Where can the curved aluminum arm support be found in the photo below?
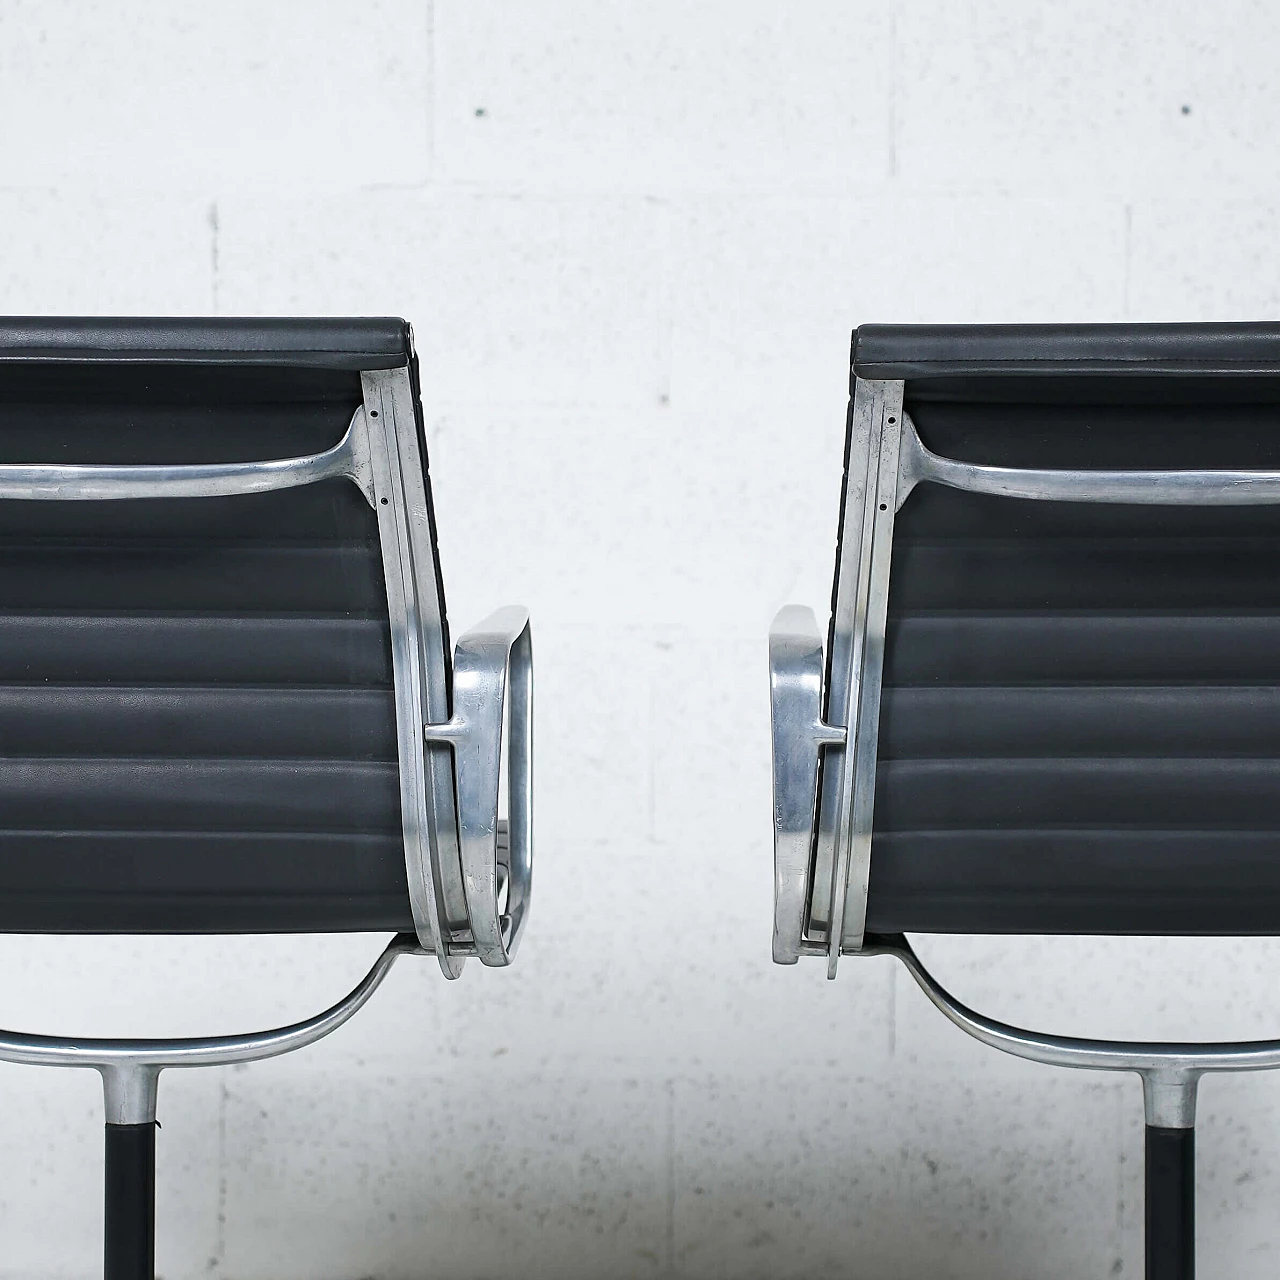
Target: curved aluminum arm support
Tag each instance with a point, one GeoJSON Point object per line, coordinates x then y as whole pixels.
{"type": "Point", "coordinates": [1159, 488]}
{"type": "Point", "coordinates": [1170, 1070]}
{"type": "Point", "coordinates": [130, 1068]}
{"type": "Point", "coordinates": [67, 483]}
{"type": "Point", "coordinates": [799, 734]}
{"type": "Point", "coordinates": [493, 680]}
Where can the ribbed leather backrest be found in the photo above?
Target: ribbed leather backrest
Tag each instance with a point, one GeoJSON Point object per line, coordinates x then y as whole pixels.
{"type": "Point", "coordinates": [1080, 729]}
{"type": "Point", "coordinates": [197, 729]}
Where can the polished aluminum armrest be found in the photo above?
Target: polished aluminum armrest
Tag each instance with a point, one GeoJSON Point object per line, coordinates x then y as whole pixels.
{"type": "Point", "coordinates": [493, 683]}
{"type": "Point", "coordinates": [799, 734]}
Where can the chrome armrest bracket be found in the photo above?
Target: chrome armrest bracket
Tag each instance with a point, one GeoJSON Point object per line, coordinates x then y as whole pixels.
{"type": "Point", "coordinates": [493, 683]}
{"type": "Point", "coordinates": [1170, 1070]}
{"type": "Point", "coordinates": [130, 1069]}
{"type": "Point", "coordinates": [469, 878]}
{"type": "Point", "coordinates": [799, 735]}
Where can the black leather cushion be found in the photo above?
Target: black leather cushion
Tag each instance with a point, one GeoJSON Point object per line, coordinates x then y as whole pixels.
{"type": "Point", "coordinates": [196, 709]}
{"type": "Point", "coordinates": [307, 343]}
{"type": "Point", "coordinates": [1081, 723]}
{"type": "Point", "coordinates": [974, 351]}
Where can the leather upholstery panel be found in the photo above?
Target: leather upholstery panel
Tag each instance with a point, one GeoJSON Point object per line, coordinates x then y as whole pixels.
{"type": "Point", "coordinates": [196, 708]}
{"type": "Point", "coordinates": [1080, 730]}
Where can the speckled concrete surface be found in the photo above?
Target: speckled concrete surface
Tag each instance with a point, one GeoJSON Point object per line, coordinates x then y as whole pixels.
{"type": "Point", "coordinates": [633, 240]}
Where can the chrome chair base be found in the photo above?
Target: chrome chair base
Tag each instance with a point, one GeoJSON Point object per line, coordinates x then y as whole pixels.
{"type": "Point", "coordinates": [1170, 1073]}
{"type": "Point", "coordinates": [130, 1071]}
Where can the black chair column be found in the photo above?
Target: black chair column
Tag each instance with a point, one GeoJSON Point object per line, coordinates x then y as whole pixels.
{"type": "Point", "coordinates": [1170, 1203]}
{"type": "Point", "coordinates": [129, 1221]}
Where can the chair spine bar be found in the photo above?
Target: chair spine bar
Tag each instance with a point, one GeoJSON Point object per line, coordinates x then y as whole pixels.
{"type": "Point", "coordinates": [420, 666]}
{"type": "Point", "coordinates": [857, 655]}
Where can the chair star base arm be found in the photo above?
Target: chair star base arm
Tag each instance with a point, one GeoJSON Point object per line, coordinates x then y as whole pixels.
{"type": "Point", "coordinates": [130, 1069]}
{"type": "Point", "coordinates": [1170, 1070]}
{"type": "Point", "coordinates": [493, 683]}
{"type": "Point", "coordinates": [1170, 1073]}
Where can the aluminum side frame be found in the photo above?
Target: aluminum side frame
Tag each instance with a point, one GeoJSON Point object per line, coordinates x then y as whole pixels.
{"type": "Point", "coordinates": [469, 894]}
{"type": "Point", "coordinates": [420, 664]}
{"type": "Point", "coordinates": [825, 764]}
{"type": "Point", "coordinates": [842, 859]}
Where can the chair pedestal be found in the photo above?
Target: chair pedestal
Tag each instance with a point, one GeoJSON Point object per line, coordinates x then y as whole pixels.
{"type": "Point", "coordinates": [130, 1071]}
{"type": "Point", "coordinates": [1170, 1073]}
{"type": "Point", "coordinates": [129, 1223]}
{"type": "Point", "coordinates": [1171, 1203]}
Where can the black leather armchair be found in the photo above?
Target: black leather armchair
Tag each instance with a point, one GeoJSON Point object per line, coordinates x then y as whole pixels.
{"type": "Point", "coordinates": [227, 699]}
{"type": "Point", "coordinates": [1050, 698]}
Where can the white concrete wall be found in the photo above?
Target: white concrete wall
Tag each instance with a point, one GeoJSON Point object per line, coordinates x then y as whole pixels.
{"type": "Point", "coordinates": [633, 239]}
